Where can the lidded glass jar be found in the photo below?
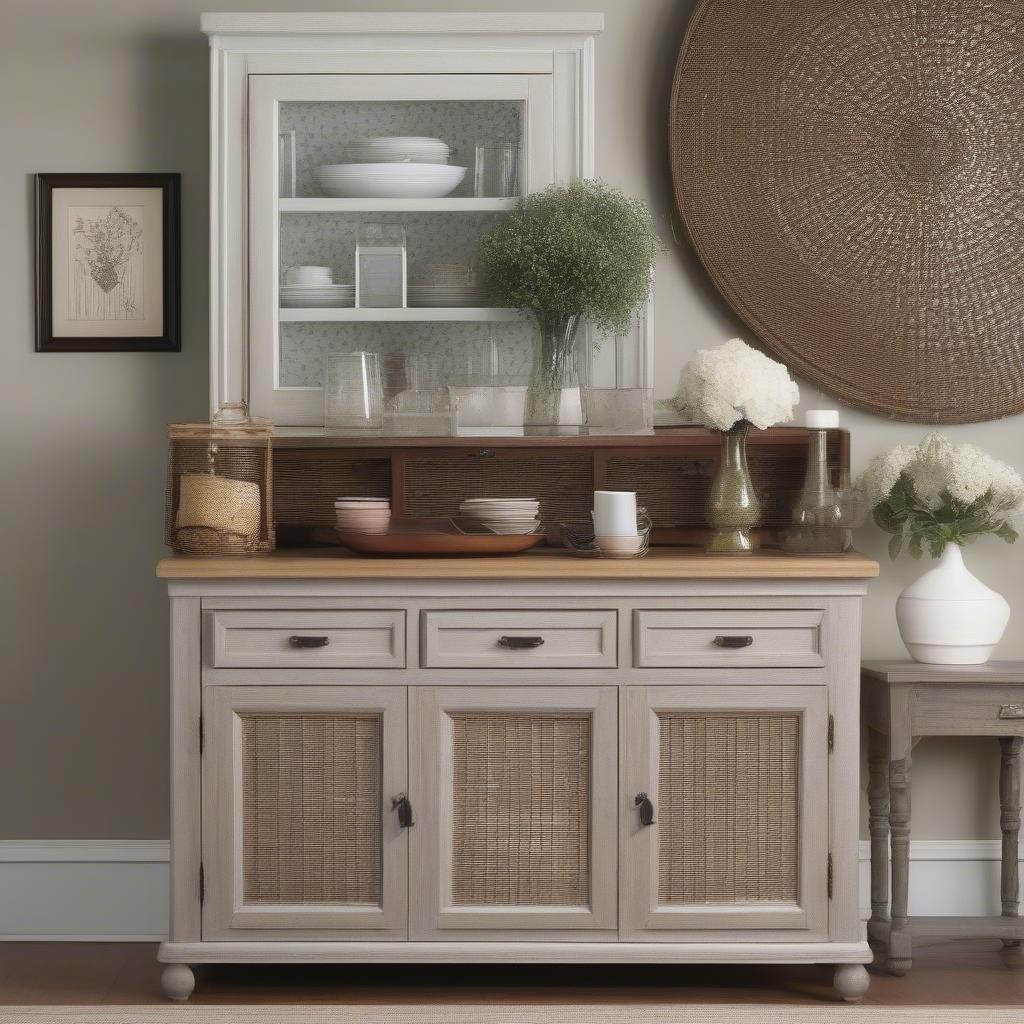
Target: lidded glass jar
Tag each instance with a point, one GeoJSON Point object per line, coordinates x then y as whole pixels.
{"type": "Point", "coordinates": [219, 495]}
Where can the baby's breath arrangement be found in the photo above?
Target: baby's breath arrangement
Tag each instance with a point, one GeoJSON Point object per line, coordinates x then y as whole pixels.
{"type": "Point", "coordinates": [936, 493]}
{"type": "Point", "coordinates": [582, 250]}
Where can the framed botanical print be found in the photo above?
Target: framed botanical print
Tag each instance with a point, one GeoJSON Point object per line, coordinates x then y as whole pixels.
{"type": "Point", "coordinates": [108, 262]}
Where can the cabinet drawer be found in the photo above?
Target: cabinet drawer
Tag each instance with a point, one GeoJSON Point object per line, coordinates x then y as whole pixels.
{"type": "Point", "coordinates": [535, 638]}
{"type": "Point", "coordinates": [983, 711]}
{"type": "Point", "coordinates": [728, 638]}
{"type": "Point", "coordinates": [307, 639]}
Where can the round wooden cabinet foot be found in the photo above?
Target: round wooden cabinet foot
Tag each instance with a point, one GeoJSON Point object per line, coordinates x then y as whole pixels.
{"type": "Point", "coordinates": [851, 981]}
{"type": "Point", "coordinates": [177, 982]}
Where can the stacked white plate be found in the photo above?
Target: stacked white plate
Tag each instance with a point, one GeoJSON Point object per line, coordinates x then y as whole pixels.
{"type": "Point", "coordinates": [317, 296]}
{"type": "Point", "coordinates": [445, 295]}
{"type": "Point", "coordinates": [503, 515]}
{"type": "Point", "coordinates": [363, 515]}
{"type": "Point", "coordinates": [398, 149]}
{"type": "Point", "coordinates": [388, 180]}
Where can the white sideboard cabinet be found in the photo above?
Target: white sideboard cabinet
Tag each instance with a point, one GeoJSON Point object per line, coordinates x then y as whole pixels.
{"type": "Point", "coordinates": [541, 759]}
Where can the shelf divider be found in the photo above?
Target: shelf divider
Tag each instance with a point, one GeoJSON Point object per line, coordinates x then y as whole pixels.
{"type": "Point", "coordinates": [411, 314]}
{"type": "Point", "coordinates": [322, 205]}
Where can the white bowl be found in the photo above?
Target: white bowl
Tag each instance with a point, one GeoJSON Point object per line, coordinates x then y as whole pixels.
{"type": "Point", "coordinates": [399, 148]}
{"type": "Point", "coordinates": [388, 181]}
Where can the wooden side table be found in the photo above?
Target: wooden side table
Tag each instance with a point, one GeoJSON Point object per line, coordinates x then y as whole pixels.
{"type": "Point", "coordinates": [904, 701]}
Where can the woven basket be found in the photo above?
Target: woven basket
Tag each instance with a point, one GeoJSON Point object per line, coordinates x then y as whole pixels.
{"type": "Point", "coordinates": [850, 174]}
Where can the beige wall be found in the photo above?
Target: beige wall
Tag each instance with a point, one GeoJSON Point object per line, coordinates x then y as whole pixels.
{"type": "Point", "coordinates": [121, 85]}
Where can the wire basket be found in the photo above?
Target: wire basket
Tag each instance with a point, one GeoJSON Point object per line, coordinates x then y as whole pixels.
{"type": "Point", "coordinates": [579, 538]}
{"type": "Point", "coordinates": [219, 494]}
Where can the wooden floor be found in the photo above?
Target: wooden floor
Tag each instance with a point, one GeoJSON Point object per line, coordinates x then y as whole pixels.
{"type": "Point", "coordinates": [978, 972]}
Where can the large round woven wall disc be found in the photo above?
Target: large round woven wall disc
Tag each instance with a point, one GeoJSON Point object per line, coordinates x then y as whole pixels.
{"type": "Point", "coordinates": [851, 174]}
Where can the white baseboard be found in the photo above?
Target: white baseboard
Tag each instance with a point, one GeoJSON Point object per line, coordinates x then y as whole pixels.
{"type": "Point", "coordinates": [117, 891]}
{"type": "Point", "coordinates": [84, 891]}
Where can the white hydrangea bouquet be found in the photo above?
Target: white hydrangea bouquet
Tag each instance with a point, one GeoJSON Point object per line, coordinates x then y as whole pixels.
{"type": "Point", "coordinates": [732, 383]}
{"type": "Point", "coordinates": [937, 493]}
{"type": "Point", "coordinates": [730, 388]}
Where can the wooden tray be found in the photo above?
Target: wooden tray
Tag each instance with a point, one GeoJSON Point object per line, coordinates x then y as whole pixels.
{"type": "Point", "coordinates": [435, 537]}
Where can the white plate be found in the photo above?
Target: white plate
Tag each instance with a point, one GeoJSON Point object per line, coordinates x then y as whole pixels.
{"type": "Point", "coordinates": [389, 181]}
{"type": "Point", "coordinates": [386, 149]}
{"type": "Point", "coordinates": [318, 302]}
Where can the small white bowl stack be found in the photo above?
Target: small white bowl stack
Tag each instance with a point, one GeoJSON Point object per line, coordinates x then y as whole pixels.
{"type": "Point", "coordinates": [392, 167]}
{"type": "Point", "coordinates": [363, 515]}
{"type": "Point", "coordinates": [503, 515]}
{"type": "Point", "coordinates": [314, 288]}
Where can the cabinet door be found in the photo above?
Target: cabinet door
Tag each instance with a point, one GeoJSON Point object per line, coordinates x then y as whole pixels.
{"type": "Point", "coordinates": [515, 794]}
{"type": "Point", "coordinates": [323, 116]}
{"type": "Point", "coordinates": [737, 779]}
{"type": "Point", "coordinates": [300, 839]}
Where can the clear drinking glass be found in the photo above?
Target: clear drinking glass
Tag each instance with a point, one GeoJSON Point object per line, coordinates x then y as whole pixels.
{"type": "Point", "coordinates": [353, 396]}
{"type": "Point", "coordinates": [618, 410]}
{"type": "Point", "coordinates": [286, 168]}
{"type": "Point", "coordinates": [496, 173]}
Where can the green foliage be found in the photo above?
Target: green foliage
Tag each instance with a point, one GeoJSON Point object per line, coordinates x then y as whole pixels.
{"type": "Point", "coordinates": [920, 526]}
{"type": "Point", "coordinates": [579, 250]}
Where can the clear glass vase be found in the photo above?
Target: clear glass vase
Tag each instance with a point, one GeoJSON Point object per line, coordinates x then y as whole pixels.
{"type": "Point", "coordinates": [553, 395]}
{"type": "Point", "coordinates": [732, 506]}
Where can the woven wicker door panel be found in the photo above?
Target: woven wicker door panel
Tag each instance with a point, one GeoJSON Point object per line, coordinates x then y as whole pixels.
{"type": "Point", "coordinates": [521, 809]}
{"type": "Point", "coordinates": [728, 796]}
{"type": "Point", "coordinates": [515, 789]}
{"type": "Point", "coordinates": [311, 808]}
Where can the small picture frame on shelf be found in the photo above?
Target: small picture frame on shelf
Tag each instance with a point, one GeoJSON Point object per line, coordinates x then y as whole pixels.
{"type": "Point", "coordinates": [108, 262]}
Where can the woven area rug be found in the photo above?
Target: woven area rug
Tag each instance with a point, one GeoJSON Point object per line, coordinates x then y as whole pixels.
{"type": "Point", "coordinates": [624, 1013]}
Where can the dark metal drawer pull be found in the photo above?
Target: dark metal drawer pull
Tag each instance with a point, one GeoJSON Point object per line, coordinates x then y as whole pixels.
{"type": "Point", "coordinates": [733, 641]}
{"type": "Point", "coordinates": [520, 643]}
{"type": "Point", "coordinates": [401, 804]}
{"type": "Point", "coordinates": [309, 641]}
{"type": "Point", "coordinates": [643, 801]}
{"type": "Point", "coordinates": [1011, 711]}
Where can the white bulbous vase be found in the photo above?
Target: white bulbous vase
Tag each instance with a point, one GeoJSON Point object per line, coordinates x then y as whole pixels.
{"type": "Point", "coordinates": [949, 617]}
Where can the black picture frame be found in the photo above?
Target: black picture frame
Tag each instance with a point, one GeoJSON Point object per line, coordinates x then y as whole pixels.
{"type": "Point", "coordinates": [170, 338]}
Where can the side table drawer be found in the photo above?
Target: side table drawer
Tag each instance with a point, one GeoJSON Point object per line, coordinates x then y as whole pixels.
{"type": "Point", "coordinates": [728, 638]}
{"type": "Point", "coordinates": [372, 638]}
{"type": "Point", "coordinates": [980, 711]}
{"type": "Point", "coordinates": [531, 638]}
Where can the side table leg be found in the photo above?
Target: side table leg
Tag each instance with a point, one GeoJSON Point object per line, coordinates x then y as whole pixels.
{"type": "Point", "coordinates": [878, 823]}
{"type": "Point", "coordinates": [900, 945]}
{"type": "Point", "coordinates": [1009, 822]}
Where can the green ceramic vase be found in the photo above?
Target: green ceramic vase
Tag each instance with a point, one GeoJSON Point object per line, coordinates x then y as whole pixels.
{"type": "Point", "coordinates": [732, 507]}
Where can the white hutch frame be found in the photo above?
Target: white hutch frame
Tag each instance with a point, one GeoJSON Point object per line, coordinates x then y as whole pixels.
{"type": "Point", "coordinates": [557, 44]}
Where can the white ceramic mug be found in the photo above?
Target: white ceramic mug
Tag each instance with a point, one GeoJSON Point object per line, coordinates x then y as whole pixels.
{"type": "Point", "coordinates": [308, 275]}
{"type": "Point", "coordinates": [615, 513]}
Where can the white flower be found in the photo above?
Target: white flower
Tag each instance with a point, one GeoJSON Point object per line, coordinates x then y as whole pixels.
{"type": "Point", "coordinates": [936, 467]}
{"type": "Point", "coordinates": [734, 382]}
{"type": "Point", "coordinates": [878, 480]}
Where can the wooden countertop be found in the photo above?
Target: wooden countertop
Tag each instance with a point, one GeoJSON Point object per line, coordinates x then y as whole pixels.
{"type": "Point", "coordinates": [662, 563]}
